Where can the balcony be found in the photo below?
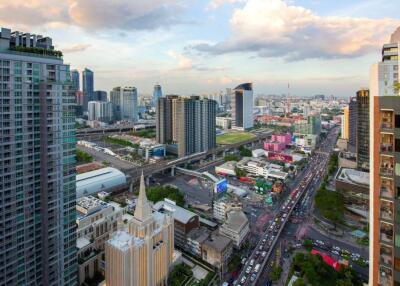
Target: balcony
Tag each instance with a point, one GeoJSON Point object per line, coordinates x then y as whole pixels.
{"type": "Point", "coordinates": [387, 142]}
{"type": "Point", "coordinates": [387, 188]}
{"type": "Point", "coordinates": [387, 166]}
{"type": "Point", "coordinates": [387, 210]}
{"type": "Point", "coordinates": [386, 232]}
{"type": "Point", "coordinates": [385, 276]}
{"type": "Point", "coordinates": [387, 121]}
{"type": "Point", "coordinates": [386, 254]}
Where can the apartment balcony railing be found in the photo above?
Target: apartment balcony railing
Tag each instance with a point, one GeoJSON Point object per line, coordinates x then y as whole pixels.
{"type": "Point", "coordinates": [387, 147]}
{"type": "Point", "coordinates": [386, 171]}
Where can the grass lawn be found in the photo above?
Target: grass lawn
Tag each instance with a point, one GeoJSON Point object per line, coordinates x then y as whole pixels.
{"type": "Point", "coordinates": [234, 137]}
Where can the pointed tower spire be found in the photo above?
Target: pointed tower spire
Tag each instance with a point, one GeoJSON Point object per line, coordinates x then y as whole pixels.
{"type": "Point", "coordinates": [143, 209]}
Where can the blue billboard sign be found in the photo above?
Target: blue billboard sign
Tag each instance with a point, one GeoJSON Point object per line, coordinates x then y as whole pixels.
{"type": "Point", "coordinates": [221, 187]}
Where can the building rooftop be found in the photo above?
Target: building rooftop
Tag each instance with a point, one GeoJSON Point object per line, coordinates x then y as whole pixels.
{"type": "Point", "coordinates": [217, 242]}
{"type": "Point", "coordinates": [180, 214]}
{"type": "Point", "coordinates": [236, 220]}
{"type": "Point", "coordinates": [87, 206]}
{"type": "Point", "coordinates": [199, 234]}
{"type": "Point", "coordinates": [353, 176]}
{"type": "Point", "coordinates": [123, 240]}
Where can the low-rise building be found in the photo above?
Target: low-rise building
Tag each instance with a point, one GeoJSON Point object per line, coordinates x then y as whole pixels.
{"type": "Point", "coordinates": [236, 227]}
{"type": "Point", "coordinates": [149, 149]}
{"type": "Point", "coordinates": [101, 180]}
{"type": "Point", "coordinates": [223, 122]}
{"type": "Point", "coordinates": [222, 206]}
{"type": "Point", "coordinates": [217, 250]}
{"type": "Point", "coordinates": [354, 185]}
{"type": "Point", "coordinates": [260, 167]}
{"type": "Point", "coordinates": [96, 220]}
{"type": "Point", "coordinates": [195, 239]}
{"type": "Point", "coordinates": [226, 169]}
{"type": "Point", "coordinates": [184, 221]}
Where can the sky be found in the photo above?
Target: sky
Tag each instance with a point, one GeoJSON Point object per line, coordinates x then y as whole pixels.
{"type": "Point", "coordinates": [205, 46]}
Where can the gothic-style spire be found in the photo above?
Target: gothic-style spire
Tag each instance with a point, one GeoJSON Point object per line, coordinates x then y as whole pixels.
{"type": "Point", "coordinates": [143, 209]}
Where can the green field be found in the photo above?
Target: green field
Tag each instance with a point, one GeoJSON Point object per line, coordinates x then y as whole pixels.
{"type": "Point", "coordinates": [234, 137]}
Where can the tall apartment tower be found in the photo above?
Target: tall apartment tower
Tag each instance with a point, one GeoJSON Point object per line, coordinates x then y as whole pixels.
{"type": "Point", "coordinates": [100, 111]}
{"type": "Point", "coordinates": [87, 86]}
{"type": "Point", "coordinates": [37, 166]}
{"type": "Point", "coordinates": [125, 103]}
{"type": "Point", "coordinates": [242, 107]}
{"type": "Point", "coordinates": [362, 141]}
{"type": "Point", "coordinates": [353, 122]}
{"type": "Point", "coordinates": [345, 124]}
{"type": "Point", "coordinates": [75, 79]}
{"type": "Point", "coordinates": [186, 123]}
{"type": "Point", "coordinates": [384, 164]}
{"type": "Point", "coordinates": [157, 93]}
{"type": "Point", "coordinates": [143, 255]}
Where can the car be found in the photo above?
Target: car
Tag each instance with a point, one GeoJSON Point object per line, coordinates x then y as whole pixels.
{"type": "Point", "coordinates": [243, 280]}
{"type": "Point", "coordinates": [260, 248]}
{"type": "Point", "coordinates": [335, 252]}
{"type": "Point", "coordinates": [248, 269]}
{"type": "Point", "coordinates": [253, 277]}
{"type": "Point", "coordinates": [251, 262]}
{"type": "Point", "coordinates": [264, 253]}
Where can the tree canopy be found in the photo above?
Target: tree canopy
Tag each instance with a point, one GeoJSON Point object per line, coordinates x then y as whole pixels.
{"type": "Point", "coordinates": [159, 193]}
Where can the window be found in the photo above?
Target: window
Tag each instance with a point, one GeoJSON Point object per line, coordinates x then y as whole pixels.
{"type": "Point", "coordinates": [397, 121]}
{"type": "Point", "coordinates": [397, 145]}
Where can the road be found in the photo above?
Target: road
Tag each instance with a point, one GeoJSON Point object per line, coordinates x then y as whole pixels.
{"type": "Point", "coordinates": [264, 250]}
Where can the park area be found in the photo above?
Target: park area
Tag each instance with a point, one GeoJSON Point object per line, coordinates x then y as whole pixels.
{"type": "Point", "coordinates": [234, 137]}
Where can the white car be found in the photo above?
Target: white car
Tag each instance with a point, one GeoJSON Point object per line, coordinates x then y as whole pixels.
{"type": "Point", "coordinates": [243, 279]}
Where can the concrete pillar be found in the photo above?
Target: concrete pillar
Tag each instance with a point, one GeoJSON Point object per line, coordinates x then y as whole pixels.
{"type": "Point", "coordinates": [224, 153]}
{"type": "Point", "coordinates": [214, 157]}
{"type": "Point", "coordinates": [131, 187]}
{"type": "Point", "coordinates": [147, 181]}
{"type": "Point", "coordinates": [173, 171]}
{"type": "Point", "coordinates": [252, 144]}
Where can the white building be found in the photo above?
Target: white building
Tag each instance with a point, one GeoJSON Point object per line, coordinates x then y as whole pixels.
{"type": "Point", "coordinates": [222, 206]}
{"type": "Point", "coordinates": [227, 168]}
{"type": "Point", "coordinates": [236, 227]}
{"type": "Point", "coordinates": [125, 103]}
{"type": "Point", "coordinates": [259, 167]}
{"type": "Point", "coordinates": [100, 111]}
{"type": "Point", "coordinates": [101, 180]}
{"type": "Point", "coordinates": [224, 122]}
{"type": "Point", "coordinates": [242, 107]}
{"type": "Point", "coordinates": [95, 221]}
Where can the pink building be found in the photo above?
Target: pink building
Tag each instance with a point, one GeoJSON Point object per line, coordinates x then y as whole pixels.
{"type": "Point", "coordinates": [278, 142]}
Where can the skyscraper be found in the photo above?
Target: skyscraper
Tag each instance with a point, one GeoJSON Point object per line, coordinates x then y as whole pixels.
{"type": "Point", "coordinates": [99, 95]}
{"type": "Point", "coordinates": [37, 166]}
{"type": "Point", "coordinates": [187, 124]}
{"type": "Point", "coordinates": [75, 79]}
{"type": "Point", "coordinates": [125, 103]}
{"type": "Point", "coordinates": [345, 123]}
{"type": "Point", "coordinates": [384, 164]}
{"type": "Point", "coordinates": [362, 141]}
{"type": "Point", "coordinates": [157, 93]}
{"type": "Point", "coordinates": [353, 122]}
{"type": "Point", "coordinates": [242, 107]}
{"type": "Point", "coordinates": [87, 86]}
{"type": "Point", "coordinates": [100, 111]}
{"type": "Point", "coordinates": [143, 255]}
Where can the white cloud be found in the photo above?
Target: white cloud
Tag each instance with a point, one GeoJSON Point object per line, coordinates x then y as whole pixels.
{"type": "Point", "coordinates": [76, 48]}
{"type": "Point", "coordinates": [92, 14]}
{"type": "Point", "coordinates": [183, 62]}
{"type": "Point", "coordinates": [215, 4]}
{"type": "Point", "coordinates": [275, 28]}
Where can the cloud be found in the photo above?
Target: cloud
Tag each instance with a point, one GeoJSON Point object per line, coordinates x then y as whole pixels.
{"type": "Point", "coordinates": [215, 4]}
{"type": "Point", "coordinates": [275, 28]}
{"type": "Point", "coordinates": [92, 14]}
{"type": "Point", "coordinates": [185, 63]}
{"type": "Point", "coordinates": [76, 48]}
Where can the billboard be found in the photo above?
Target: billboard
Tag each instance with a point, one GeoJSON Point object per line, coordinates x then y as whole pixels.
{"type": "Point", "coordinates": [273, 156]}
{"type": "Point", "coordinates": [221, 187]}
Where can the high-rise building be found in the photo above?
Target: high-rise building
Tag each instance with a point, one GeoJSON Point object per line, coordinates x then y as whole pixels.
{"type": "Point", "coordinates": [37, 166]}
{"type": "Point", "coordinates": [353, 122]}
{"type": "Point", "coordinates": [157, 93]}
{"type": "Point", "coordinates": [99, 95]}
{"type": "Point", "coordinates": [75, 79]}
{"type": "Point", "coordinates": [242, 107]}
{"type": "Point", "coordinates": [345, 123]}
{"type": "Point", "coordinates": [187, 124]}
{"type": "Point", "coordinates": [362, 141]}
{"type": "Point", "coordinates": [143, 255]}
{"type": "Point", "coordinates": [384, 250]}
{"type": "Point", "coordinates": [125, 103]}
{"type": "Point", "coordinates": [100, 111]}
{"type": "Point", "coordinates": [87, 86]}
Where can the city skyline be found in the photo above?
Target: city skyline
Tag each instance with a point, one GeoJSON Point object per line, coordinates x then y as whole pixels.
{"type": "Point", "coordinates": [195, 47]}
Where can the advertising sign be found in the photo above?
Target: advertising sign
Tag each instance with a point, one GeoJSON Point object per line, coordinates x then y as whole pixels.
{"type": "Point", "coordinates": [273, 156]}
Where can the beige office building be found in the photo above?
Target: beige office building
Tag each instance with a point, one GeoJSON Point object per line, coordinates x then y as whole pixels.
{"type": "Point", "coordinates": [143, 255]}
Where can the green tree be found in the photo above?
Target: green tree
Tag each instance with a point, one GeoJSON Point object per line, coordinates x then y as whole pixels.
{"type": "Point", "coordinates": [244, 152]}
{"type": "Point", "coordinates": [231, 157]}
{"type": "Point", "coordinates": [240, 173]}
{"type": "Point", "coordinates": [159, 193]}
{"type": "Point", "coordinates": [307, 244]}
{"type": "Point", "coordinates": [396, 87]}
{"type": "Point", "coordinates": [83, 157]}
{"type": "Point", "coordinates": [275, 273]}
{"type": "Point", "coordinates": [299, 282]}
